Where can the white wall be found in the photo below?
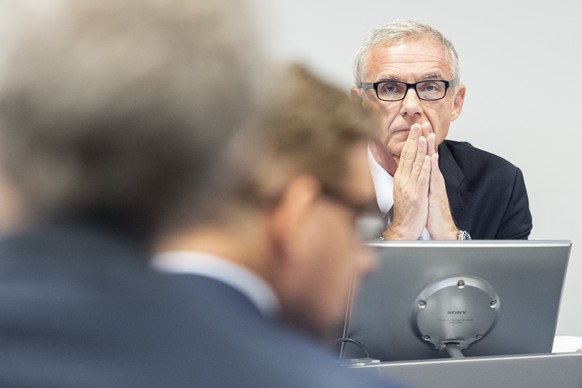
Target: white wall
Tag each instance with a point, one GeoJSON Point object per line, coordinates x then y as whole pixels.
{"type": "Point", "coordinates": [522, 64]}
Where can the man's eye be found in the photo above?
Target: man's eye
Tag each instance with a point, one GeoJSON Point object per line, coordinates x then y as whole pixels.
{"type": "Point", "coordinates": [430, 87]}
{"type": "Point", "coordinates": [390, 88]}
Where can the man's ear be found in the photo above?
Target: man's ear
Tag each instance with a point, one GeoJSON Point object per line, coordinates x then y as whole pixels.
{"type": "Point", "coordinates": [458, 102]}
{"type": "Point", "coordinates": [355, 94]}
{"type": "Point", "coordinates": [294, 206]}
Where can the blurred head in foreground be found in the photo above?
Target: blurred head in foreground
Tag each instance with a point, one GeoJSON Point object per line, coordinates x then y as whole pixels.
{"type": "Point", "coordinates": [113, 111]}
{"type": "Point", "coordinates": [288, 198]}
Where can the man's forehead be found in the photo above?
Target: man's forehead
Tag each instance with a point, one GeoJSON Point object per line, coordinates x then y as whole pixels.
{"type": "Point", "coordinates": [422, 58]}
{"type": "Point", "coordinates": [419, 45]}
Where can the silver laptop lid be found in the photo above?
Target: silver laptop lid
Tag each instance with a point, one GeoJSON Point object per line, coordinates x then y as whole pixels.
{"type": "Point", "coordinates": [435, 299]}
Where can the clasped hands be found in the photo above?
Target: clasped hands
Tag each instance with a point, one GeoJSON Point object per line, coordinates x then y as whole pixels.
{"type": "Point", "coordinates": [420, 196]}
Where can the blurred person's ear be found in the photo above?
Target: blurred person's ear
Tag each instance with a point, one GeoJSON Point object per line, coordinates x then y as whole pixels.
{"type": "Point", "coordinates": [292, 210]}
{"type": "Point", "coordinates": [290, 226]}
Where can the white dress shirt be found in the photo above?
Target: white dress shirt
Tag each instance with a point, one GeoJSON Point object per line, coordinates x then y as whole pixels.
{"type": "Point", "coordinates": [222, 270]}
{"type": "Point", "coordinates": [384, 186]}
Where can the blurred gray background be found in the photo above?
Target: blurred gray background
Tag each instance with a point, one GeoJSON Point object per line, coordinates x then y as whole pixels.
{"type": "Point", "coordinates": [522, 64]}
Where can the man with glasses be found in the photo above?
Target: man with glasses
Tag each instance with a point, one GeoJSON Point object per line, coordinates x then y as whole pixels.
{"type": "Point", "coordinates": [428, 187]}
{"type": "Point", "coordinates": [279, 244]}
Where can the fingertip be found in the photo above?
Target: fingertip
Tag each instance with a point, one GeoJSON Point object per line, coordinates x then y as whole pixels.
{"type": "Point", "coordinates": [426, 128]}
{"type": "Point", "coordinates": [422, 144]}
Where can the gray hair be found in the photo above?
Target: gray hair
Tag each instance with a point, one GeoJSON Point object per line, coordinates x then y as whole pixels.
{"type": "Point", "coordinates": [118, 108]}
{"type": "Point", "coordinates": [398, 31]}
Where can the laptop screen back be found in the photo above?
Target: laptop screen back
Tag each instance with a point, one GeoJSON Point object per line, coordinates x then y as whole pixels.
{"type": "Point", "coordinates": [495, 297]}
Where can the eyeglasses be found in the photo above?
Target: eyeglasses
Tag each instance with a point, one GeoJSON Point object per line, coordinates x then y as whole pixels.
{"type": "Point", "coordinates": [369, 224]}
{"type": "Point", "coordinates": [430, 90]}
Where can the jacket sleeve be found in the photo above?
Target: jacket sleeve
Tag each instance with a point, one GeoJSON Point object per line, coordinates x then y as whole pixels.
{"type": "Point", "coordinates": [517, 220]}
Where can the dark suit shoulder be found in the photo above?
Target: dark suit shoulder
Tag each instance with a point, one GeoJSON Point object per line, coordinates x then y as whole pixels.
{"type": "Point", "coordinates": [274, 354]}
{"type": "Point", "coordinates": [465, 154]}
{"type": "Point", "coordinates": [83, 309]}
{"type": "Point", "coordinates": [487, 193]}
{"type": "Point", "coordinates": [474, 167]}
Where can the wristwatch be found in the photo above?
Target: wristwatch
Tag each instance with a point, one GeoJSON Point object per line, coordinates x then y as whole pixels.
{"type": "Point", "coordinates": [463, 235]}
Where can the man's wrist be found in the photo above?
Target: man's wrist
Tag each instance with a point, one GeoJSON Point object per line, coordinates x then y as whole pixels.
{"type": "Point", "coordinates": [395, 233]}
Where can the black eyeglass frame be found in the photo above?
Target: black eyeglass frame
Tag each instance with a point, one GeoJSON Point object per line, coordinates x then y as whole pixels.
{"type": "Point", "coordinates": [344, 200]}
{"type": "Point", "coordinates": [369, 223]}
{"type": "Point", "coordinates": [374, 85]}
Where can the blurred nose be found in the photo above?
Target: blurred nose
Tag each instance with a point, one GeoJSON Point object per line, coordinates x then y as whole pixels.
{"type": "Point", "coordinates": [411, 105]}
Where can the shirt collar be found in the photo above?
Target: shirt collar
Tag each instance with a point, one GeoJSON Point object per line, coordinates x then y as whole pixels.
{"type": "Point", "coordinates": [383, 184]}
{"type": "Point", "coordinates": [222, 270]}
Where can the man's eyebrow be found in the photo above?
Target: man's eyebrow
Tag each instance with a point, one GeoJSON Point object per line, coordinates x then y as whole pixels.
{"type": "Point", "coordinates": [434, 75]}
{"type": "Point", "coordinates": [389, 78]}
{"type": "Point", "coordinates": [427, 76]}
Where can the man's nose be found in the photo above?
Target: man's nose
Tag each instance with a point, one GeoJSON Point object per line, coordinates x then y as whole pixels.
{"type": "Point", "coordinates": [411, 105]}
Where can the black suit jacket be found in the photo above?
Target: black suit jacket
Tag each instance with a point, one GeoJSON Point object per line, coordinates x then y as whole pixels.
{"type": "Point", "coordinates": [80, 307]}
{"type": "Point", "coordinates": [487, 194]}
{"type": "Point", "coordinates": [270, 354]}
